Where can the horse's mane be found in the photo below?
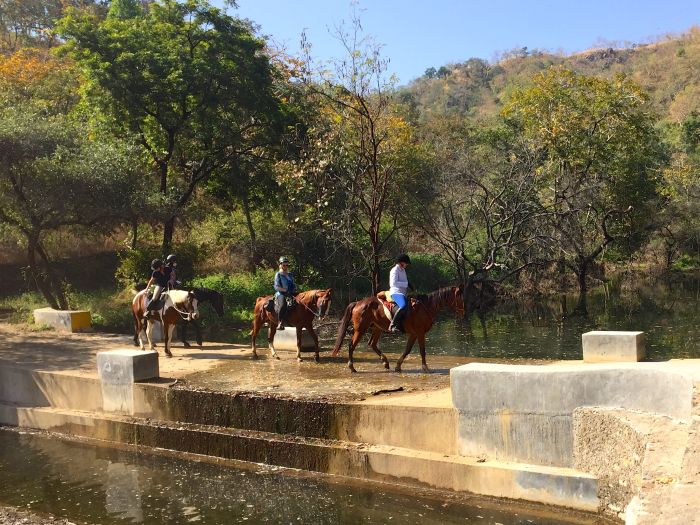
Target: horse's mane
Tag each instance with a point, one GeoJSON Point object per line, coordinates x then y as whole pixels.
{"type": "Point", "coordinates": [177, 296]}
{"type": "Point", "coordinates": [306, 297]}
{"type": "Point", "coordinates": [438, 298]}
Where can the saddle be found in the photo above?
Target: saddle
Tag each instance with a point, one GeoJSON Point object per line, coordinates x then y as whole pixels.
{"type": "Point", "coordinates": [390, 307]}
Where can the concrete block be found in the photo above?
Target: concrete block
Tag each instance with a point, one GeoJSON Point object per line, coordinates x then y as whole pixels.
{"type": "Point", "coordinates": [612, 346]}
{"type": "Point", "coordinates": [63, 320]}
{"type": "Point", "coordinates": [118, 370]}
{"type": "Point", "coordinates": [287, 339]}
{"type": "Point", "coordinates": [524, 413]}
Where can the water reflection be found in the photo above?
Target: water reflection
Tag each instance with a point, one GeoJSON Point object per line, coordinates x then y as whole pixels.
{"type": "Point", "coordinates": [106, 486]}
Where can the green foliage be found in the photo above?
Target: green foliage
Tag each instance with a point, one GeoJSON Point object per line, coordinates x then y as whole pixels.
{"type": "Point", "coordinates": [239, 290]}
{"type": "Point", "coordinates": [135, 265]}
{"type": "Point", "coordinates": [429, 272]}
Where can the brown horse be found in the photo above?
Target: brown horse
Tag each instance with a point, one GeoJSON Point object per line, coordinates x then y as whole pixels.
{"type": "Point", "coordinates": [311, 304]}
{"type": "Point", "coordinates": [369, 312]}
{"type": "Point", "coordinates": [178, 305]}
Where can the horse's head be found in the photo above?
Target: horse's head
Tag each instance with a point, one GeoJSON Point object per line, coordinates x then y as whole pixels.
{"type": "Point", "coordinates": [457, 302]}
{"type": "Point", "coordinates": [184, 303]}
{"type": "Point", "coordinates": [323, 302]}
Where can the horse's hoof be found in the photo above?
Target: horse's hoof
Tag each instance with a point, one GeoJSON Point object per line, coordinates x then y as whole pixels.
{"type": "Point", "coordinates": [168, 354]}
{"type": "Point", "coordinates": [386, 365]}
{"type": "Point", "coordinates": [277, 357]}
{"type": "Point", "coordinates": [397, 369]}
{"type": "Point", "coordinates": [186, 344]}
{"type": "Point", "coordinates": [299, 359]}
{"type": "Point", "coordinates": [255, 356]}
{"type": "Point", "coordinates": [426, 370]}
{"type": "Point", "coordinates": [317, 359]}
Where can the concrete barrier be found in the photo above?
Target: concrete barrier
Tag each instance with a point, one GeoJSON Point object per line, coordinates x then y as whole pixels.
{"type": "Point", "coordinates": [611, 346]}
{"type": "Point", "coordinates": [118, 370]}
{"type": "Point", "coordinates": [524, 413]}
{"type": "Point", "coordinates": [63, 320]}
{"type": "Point", "coordinates": [287, 339]}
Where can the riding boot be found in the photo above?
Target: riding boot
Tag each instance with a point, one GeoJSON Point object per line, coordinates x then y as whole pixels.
{"type": "Point", "coordinates": [396, 325]}
{"type": "Point", "coordinates": [281, 313]}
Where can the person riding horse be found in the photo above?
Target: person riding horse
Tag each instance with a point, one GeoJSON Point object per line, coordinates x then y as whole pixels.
{"type": "Point", "coordinates": [171, 265]}
{"type": "Point", "coordinates": [285, 290]}
{"type": "Point", "coordinates": [160, 277]}
{"type": "Point", "coordinates": [398, 288]}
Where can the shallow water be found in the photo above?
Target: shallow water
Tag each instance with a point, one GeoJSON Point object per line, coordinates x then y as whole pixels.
{"type": "Point", "coordinates": [107, 486]}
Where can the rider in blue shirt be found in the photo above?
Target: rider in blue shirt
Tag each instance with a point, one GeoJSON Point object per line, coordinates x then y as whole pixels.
{"type": "Point", "coordinates": [284, 288]}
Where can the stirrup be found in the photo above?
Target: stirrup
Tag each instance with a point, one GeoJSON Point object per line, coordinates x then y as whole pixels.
{"type": "Point", "coordinates": [280, 326]}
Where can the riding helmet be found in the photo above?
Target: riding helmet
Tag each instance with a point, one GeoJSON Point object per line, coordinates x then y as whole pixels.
{"type": "Point", "coordinates": [171, 258]}
{"type": "Point", "coordinates": [403, 258]}
{"type": "Point", "coordinates": [283, 260]}
{"type": "Point", "coordinates": [155, 264]}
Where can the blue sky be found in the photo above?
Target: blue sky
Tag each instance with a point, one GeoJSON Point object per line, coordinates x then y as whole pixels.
{"type": "Point", "coordinates": [421, 34]}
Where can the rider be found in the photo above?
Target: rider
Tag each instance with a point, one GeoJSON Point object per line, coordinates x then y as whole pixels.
{"type": "Point", "coordinates": [171, 265]}
{"type": "Point", "coordinates": [398, 288]}
{"type": "Point", "coordinates": [284, 288]}
{"type": "Point", "coordinates": [159, 277]}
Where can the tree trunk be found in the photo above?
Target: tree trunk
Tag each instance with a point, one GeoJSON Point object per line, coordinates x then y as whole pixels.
{"type": "Point", "coordinates": [168, 231]}
{"type": "Point", "coordinates": [581, 274]}
{"type": "Point", "coordinates": [134, 233]}
{"type": "Point", "coordinates": [52, 279]}
{"type": "Point", "coordinates": [39, 278]}
{"type": "Point", "coordinates": [251, 230]}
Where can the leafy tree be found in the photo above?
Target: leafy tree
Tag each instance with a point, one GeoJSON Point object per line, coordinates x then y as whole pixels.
{"type": "Point", "coordinates": [51, 177]}
{"type": "Point", "coordinates": [601, 158]}
{"type": "Point", "coordinates": [431, 72]}
{"type": "Point", "coordinates": [193, 83]}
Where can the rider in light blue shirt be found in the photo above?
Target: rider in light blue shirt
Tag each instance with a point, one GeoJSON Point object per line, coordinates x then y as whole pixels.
{"type": "Point", "coordinates": [284, 287]}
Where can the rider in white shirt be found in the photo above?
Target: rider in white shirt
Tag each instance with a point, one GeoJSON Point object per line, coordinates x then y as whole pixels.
{"type": "Point", "coordinates": [398, 288]}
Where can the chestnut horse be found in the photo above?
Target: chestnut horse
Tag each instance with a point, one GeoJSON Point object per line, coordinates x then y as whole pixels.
{"type": "Point", "coordinates": [178, 305]}
{"type": "Point", "coordinates": [311, 304]}
{"type": "Point", "coordinates": [369, 313]}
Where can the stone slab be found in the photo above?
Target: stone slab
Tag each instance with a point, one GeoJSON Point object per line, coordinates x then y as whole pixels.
{"type": "Point", "coordinates": [287, 339]}
{"type": "Point", "coordinates": [63, 320]}
{"type": "Point", "coordinates": [118, 370]}
{"type": "Point", "coordinates": [524, 413]}
{"type": "Point", "coordinates": [613, 346]}
{"type": "Point", "coordinates": [120, 367]}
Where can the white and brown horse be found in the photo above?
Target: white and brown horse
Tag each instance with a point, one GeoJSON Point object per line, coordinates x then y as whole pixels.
{"type": "Point", "coordinates": [178, 305]}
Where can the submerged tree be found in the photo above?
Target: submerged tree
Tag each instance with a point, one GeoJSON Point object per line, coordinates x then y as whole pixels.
{"type": "Point", "coordinates": [600, 167]}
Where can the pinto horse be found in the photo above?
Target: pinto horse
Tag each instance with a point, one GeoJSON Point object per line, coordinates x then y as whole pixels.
{"type": "Point", "coordinates": [309, 305]}
{"type": "Point", "coordinates": [369, 313]}
{"type": "Point", "coordinates": [178, 305]}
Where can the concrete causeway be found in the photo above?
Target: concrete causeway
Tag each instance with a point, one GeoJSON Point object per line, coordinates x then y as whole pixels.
{"type": "Point", "coordinates": [584, 436]}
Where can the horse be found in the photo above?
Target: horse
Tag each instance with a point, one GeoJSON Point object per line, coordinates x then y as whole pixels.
{"type": "Point", "coordinates": [309, 305]}
{"type": "Point", "coordinates": [178, 305]}
{"type": "Point", "coordinates": [203, 295]}
{"type": "Point", "coordinates": [369, 313]}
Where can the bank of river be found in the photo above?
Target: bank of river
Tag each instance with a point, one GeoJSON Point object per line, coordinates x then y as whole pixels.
{"type": "Point", "coordinates": [87, 484]}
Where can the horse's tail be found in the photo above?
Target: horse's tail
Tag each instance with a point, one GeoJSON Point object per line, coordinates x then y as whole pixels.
{"type": "Point", "coordinates": [344, 322]}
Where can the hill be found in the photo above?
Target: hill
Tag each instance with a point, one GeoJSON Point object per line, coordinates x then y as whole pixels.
{"type": "Point", "coordinates": [669, 70]}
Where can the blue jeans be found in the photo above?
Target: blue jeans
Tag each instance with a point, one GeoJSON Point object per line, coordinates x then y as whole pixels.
{"type": "Point", "coordinates": [400, 300]}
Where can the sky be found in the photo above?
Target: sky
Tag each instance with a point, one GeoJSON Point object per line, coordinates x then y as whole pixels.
{"type": "Point", "coordinates": [417, 35]}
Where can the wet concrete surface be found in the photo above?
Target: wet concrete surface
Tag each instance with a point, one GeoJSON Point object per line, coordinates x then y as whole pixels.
{"type": "Point", "coordinates": [223, 367]}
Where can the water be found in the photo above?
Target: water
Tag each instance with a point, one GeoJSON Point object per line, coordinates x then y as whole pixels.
{"type": "Point", "coordinates": [666, 309]}
{"type": "Point", "coordinates": [100, 485]}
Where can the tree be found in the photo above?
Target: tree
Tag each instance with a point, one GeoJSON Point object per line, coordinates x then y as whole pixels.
{"type": "Point", "coordinates": [191, 82]}
{"type": "Point", "coordinates": [600, 163]}
{"type": "Point", "coordinates": [365, 154]}
{"type": "Point", "coordinates": [51, 177]}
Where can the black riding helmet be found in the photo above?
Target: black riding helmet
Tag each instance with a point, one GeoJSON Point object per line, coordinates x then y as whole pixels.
{"type": "Point", "coordinates": [171, 259]}
{"type": "Point", "coordinates": [155, 264]}
{"type": "Point", "coordinates": [403, 258]}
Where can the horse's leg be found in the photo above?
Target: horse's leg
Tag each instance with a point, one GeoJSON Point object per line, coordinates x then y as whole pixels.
{"type": "Point", "coordinates": [167, 336]}
{"type": "Point", "coordinates": [356, 336]}
{"type": "Point", "coordinates": [142, 333]}
{"type": "Point", "coordinates": [198, 333]}
{"type": "Point", "coordinates": [421, 345]}
{"type": "Point", "coordinates": [315, 338]}
{"type": "Point", "coordinates": [137, 329]}
{"type": "Point", "coordinates": [299, 332]}
{"type": "Point", "coordinates": [373, 340]}
{"type": "Point", "coordinates": [254, 334]}
{"type": "Point", "coordinates": [183, 334]}
{"type": "Point", "coordinates": [409, 345]}
{"type": "Point", "coordinates": [271, 329]}
{"type": "Point", "coordinates": [149, 334]}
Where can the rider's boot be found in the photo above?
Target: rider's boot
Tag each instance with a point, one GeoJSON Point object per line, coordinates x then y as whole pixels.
{"type": "Point", "coordinates": [396, 323]}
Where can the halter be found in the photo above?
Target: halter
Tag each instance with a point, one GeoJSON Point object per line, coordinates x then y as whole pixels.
{"type": "Point", "coordinates": [186, 316]}
{"type": "Point", "coordinates": [316, 314]}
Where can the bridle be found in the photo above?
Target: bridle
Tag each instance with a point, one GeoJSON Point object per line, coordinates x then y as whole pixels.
{"type": "Point", "coordinates": [186, 316]}
{"type": "Point", "coordinates": [322, 309]}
